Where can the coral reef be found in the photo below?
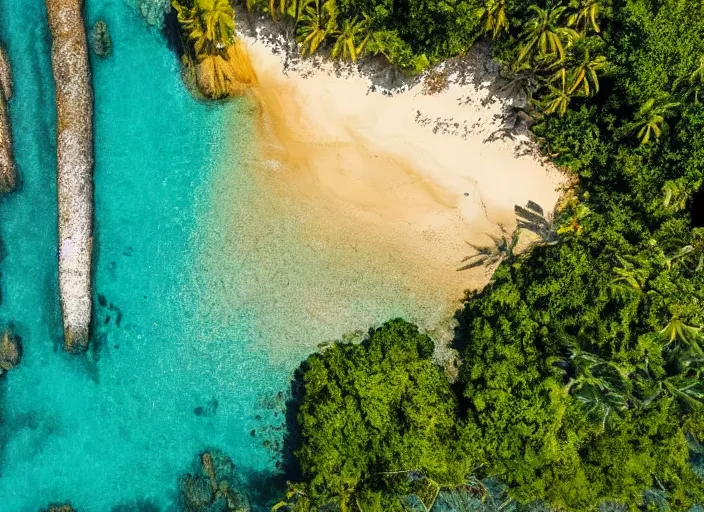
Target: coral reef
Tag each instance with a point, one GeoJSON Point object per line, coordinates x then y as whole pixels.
{"type": "Point", "coordinates": [154, 11]}
{"type": "Point", "coordinates": [212, 485]}
{"type": "Point", "coordinates": [74, 102]}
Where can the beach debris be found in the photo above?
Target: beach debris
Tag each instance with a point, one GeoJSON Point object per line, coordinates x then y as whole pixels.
{"type": "Point", "coordinates": [74, 100]}
{"type": "Point", "coordinates": [435, 81]}
{"type": "Point", "coordinates": [8, 171]}
{"type": "Point", "coordinates": [100, 39]}
{"type": "Point", "coordinates": [10, 352]}
{"type": "Point", "coordinates": [212, 486]}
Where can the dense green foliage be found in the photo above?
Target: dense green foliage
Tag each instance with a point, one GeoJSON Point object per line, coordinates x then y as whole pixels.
{"type": "Point", "coordinates": [410, 33]}
{"type": "Point", "coordinates": [583, 362]}
{"type": "Point", "coordinates": [374, 414]}
{"type": "Point", "coordinates": [214, 63]}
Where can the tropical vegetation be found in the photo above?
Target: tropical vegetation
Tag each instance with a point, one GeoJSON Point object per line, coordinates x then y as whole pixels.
{"type": "Point", "coordinates": [582, 363]}
{"type": "Point", "coordinates": [213, 59]}
{"type": "Point", "coordinates": [581, 380]}
{"type": "Point", "coordinates": [377, 416]}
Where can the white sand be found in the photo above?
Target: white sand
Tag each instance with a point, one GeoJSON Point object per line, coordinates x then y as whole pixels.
{"type": "Point", "coordinates": [413, 172]}
{"type": "Point", "coordinates": [350, 209]}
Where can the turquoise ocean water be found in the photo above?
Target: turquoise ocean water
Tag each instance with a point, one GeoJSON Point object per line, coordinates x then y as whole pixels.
{"type": "Point", "coordinates": [120, 424]}
{"type": "Point", "coordinates": [194, 339]}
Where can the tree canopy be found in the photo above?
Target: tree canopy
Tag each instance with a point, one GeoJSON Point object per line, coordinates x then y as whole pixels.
{"type": "Point", "coordinates": [377, 414]}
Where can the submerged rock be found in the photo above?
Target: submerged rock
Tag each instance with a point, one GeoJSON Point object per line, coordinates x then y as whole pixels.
{"type": "Point", "coordinates": [59, 508]}
{"type": "Point", "coordinates": [100, 39]}
{"type": "Point", "coordinates": [10, 352]}
{"type": "Point", "coordinates": [212, 486]}
{"type": "Point", "coordinates": [74, 102]}
{"type": "Point", "coordinates": [8, 172]}
{"type": "Point", "coordinates": [208, 410]}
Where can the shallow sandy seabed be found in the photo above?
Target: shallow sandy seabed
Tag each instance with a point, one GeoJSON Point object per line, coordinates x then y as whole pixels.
{"type": "Point", "coordinates": [360, 198]}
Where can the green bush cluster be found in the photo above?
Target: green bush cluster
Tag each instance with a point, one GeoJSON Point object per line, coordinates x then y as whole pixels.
{"type": "Point", "coordinates": [378, 419]}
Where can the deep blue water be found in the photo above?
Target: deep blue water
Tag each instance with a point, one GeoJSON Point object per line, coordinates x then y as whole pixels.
{"type": "Point", "coordinates": [121, 423]}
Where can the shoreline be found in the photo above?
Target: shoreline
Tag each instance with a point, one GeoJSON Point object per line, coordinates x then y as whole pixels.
{"type": "Point", "coordinates": [423, 173]}
{"type": "Point", "coordinates": [350, 181]}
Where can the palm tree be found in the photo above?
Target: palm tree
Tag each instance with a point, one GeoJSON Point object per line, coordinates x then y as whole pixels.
{"type": "Point", "coordinates": [559, 76]}
{"type": "Point", "coordinates": [668, 261]}
{"type": "Point", "coordinates": [650, 119]}
{"type": "Point", "coordinates": [586, 16]}
{"type": "Point", "coordinates": [210, 24]}
{"type": "Point", "coordinates": [318, 21]}
{"type": "Point", "coordinates": [296, 499]}
{"type": "Point", "coordinates": [352, 39]}
{"type": "Point", "coordinates": [696, 79]}
{"type": "Point", "coordinates": [492, 255]}
{"type": "Point", "coordinates": [494, 16]}
{"type": "Point", "coordinates": [584, 77]}
{"type": "Point", "coordinates": [573, 225]}
{"type": "Point", "coordinates": [291, 7]}
{"type": "Point", "coordinates": [631, 272]}
{"type": "Point", "coordinates": [688, 390]}
{"type": "Point", "coordinates": [521, 82]}
{"type": "Point", "coordinates": [557, 101]}
{"type": "Point", "coordinates": [675, 195]}
{"type": "Point", "coordinates": [532, 217]}
{"type": "Point", "coordinates": [545, 33]}
{"type": "Point", "coordinates": [599, 385]}
{"type": "Point", "coordinates": [486, 495]}
{"type": "Point", "coordinates": [679, 334]}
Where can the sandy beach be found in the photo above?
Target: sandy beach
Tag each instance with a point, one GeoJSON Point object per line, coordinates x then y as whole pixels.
{"type": "Point", "coordinates": [350, 206]}
{"type": "Point", "coordinates": [411, 176]}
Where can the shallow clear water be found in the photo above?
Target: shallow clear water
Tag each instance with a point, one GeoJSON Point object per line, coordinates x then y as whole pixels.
{"type": "Point", "coordinates": [183, 357]}
{"type": "Point", "coordinates": [119, 424]}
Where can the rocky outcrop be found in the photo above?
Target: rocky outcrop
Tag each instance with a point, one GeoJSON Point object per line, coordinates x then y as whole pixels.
{"type": "Point", "coordinates": [8, 173]}
{"type": "Point", "coordinates": [212, 485]}
{"type": "Point", "coordinates": [74, 105]}
{"type": "Point", "coordinates": [10, 352]}
{"type": "Point", "coordinates": [5, 75]}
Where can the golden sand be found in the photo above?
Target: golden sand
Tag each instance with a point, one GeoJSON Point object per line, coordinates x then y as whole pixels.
{"type": "Point", "coordinates": [369, 176]}
{"type": "Point", "coordinates": [356, 210]}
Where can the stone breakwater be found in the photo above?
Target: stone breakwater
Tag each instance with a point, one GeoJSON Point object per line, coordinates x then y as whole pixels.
{"type": "Point", "coordinates": [8, 173]}
{"type": "Point", "coordinates": [74, 134]}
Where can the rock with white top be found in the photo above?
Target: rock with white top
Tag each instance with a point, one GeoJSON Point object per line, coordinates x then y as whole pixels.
{"type": "Point", "coordinates": [74, 104]}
